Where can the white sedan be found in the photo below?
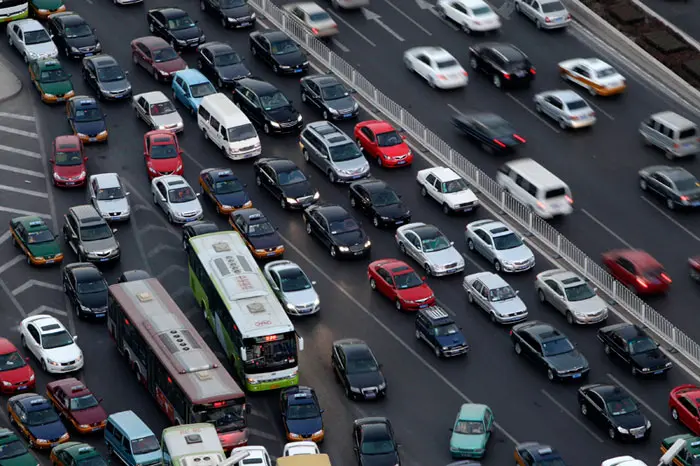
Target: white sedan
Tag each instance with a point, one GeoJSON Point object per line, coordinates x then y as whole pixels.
{"type": "Point", "coordinates": [31, 40]}
{"type": "Point", "coordinates": [448, 189]}
{"type": "Point", "coordinates": [437, 66]}
{"type": "Point", "coordinates": [430, 248]}
{"type": "Point", "coordinates": [301, 448]}
{"type": "Point", "coordinates": [176, 197]}
{"type": "Point", "coordinates": [594, 75]}
{"type": "Point", "coordinates": [51, 344]}
{"type": "Point", "coordinates": [470, 15]}
{"type": "Point", "coordinates": [157, 111]}
{"type": "Point", "coordinates": [572, 296]}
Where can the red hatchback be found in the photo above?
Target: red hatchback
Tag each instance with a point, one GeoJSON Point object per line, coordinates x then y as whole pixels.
{"type": "Point", "coordinates": [68, 162]}
{"type": "Point", "coordinates": [76, 403]}
{"type": "Point", "coordinates": [162, 153]}
{"type": "Point", "coordinates": [684, 402]}
{"type": "Point", "coordinates": [637, 270]}
{"type": "Point", "coordinates": [15, 374]}
{"type": "Point", "coordinates": [399, 282]}
{"type": "Point", "coordinates": [380, 141]}
{"type": "Point", "coordinates": [157, 57]}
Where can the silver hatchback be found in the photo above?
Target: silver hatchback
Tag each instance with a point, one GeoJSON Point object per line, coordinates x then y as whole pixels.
{"type": "Point", "coordinates": [495, 296]}
{"type": "Point", "coordinates": [565, 107]}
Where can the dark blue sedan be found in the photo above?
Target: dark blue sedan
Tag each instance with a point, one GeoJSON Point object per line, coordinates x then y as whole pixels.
{"type": "Point", "coordinates": [37, 420]}
{"type": "Point", "coordinates": [301, 414]}
{"type": "Point", "coordinates": [86, 119]}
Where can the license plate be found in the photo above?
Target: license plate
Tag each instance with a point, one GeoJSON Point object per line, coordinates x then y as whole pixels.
{"type": "Point", "coordinates": [49, 262]}
{"type": "Point", "coordinates": [60, 99]}
{"type": "Point", "coordinates": [101, 314]}
{"type": "Point", "coordinates": [116, 218]}
{"type": "Point", "coordinates": [358, 253]}
{"type": "Point", "coordinates": [347, 115]}
{"type": "Point", "coordinates": [422, 306]}
{"type": "Point", "coordinates": [576, 376]}
{"type": "Point", "coordinates": [658, 372]}
{"type": "Point", "coordinates": [356, 177]}
{"type": "Point", "coordinates": [89, 54]}
{"type": "Point", "coordinates": [271, 254]}
{"type": "Point", "coordinates": [370, 395]}
{"type": "Point", "coordinates": [70, 183]}
{"type": "Point", "coordinates": [401, 162]}
{"type": "Point", "coordinates": [467, 209]}
{"type": "Point", "coordinates": [688, 144]}
{"type": "Point", "coordinates": [559, 20]}
{"type": "Point", "coordinates": [22, 387]}
{"type": "Point", "coordinates": [245, 24]}
{"type": "Point", "coordinates": [520, 74]}
{"type": "Point", "coordinates": [639, 435]}
{"type": "Point", "coordinates": [695, 204]}
{"type": "Point", "coordinates": [95, 429]}
{"type": "Point", "coordinates": [399, 222]}
{"type": "Point", "coordinates": [93, 139]}
{"type": "Point", "coordinates": [275, 386]}
{"type": "Point", "coordinates": [104, 260]}
{"type": "Point", "coordinates": [190, 220]}
{"type": "Point", "coordinates": [299, 70]}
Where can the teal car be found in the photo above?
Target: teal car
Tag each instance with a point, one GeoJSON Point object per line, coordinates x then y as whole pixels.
{"type": "Point", "coordinates": [471, 431]}
{"type": "Point", "coordinates": [13, 452]}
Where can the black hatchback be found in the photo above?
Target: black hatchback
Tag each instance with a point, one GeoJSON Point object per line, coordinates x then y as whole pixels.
{"type": "Point", "coordinates": [505, 64]}
{"type": "Point", "coordinates": [329, 96]}
{"type": "Point", "coordinates": [266, 106]}
{"type": "Point", "coordinates": [378, 201]}
{"type": "Point", "coordinates": [86, 290]}
{"type": "Point", "coordinates": [220, 63]}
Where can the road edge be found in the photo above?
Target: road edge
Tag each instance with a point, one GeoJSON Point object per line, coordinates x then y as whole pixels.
{"type": "Point", "coordinates": [7, 74]}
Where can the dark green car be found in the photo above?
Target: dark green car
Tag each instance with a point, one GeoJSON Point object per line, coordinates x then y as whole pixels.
{"type": "Point", "coordinates": [689, 454]}
{"type": "Point", "coordinates": [13, 451]}
{"type": "Point", "coordinates": [51, 80]}
{"type": "Point", "coordinates": [36, 240]}
{"type": "Point", "coordinates": [41, 9]}
{"type": "Point", "coordinates": [76, 454]}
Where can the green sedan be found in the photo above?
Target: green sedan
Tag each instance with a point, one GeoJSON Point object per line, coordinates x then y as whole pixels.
{"type": "Point", "coordinates": [689, 454]}
{"type": "Point", "coordinates": [13, 451]}
{"type": "Point", "coordinates": [471, 431]}
{"type": "Point", "coordinates": [36, 240]}
{"type": "Point", "coordinates": [76, 454]}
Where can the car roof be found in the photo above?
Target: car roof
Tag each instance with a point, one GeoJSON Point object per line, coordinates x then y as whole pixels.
{"type": "Point", "coordinates": [30, 401]}
{"type": "Point", "coordinates": [596, 64]}
{"type": "Point", "coordinates": [68, 18]}
{"type": "Point", "coordinates": [250, 212]}
{"type": "Point", "coordinates": [372, 185]}
{"type": "Point", "coordinates": [542, 331]}
{"type": "Point", "coordinates": [217, 47]}
{"type": "Point", "coordinates": [257, 85]}
{"type": "Point", "coordinates": [6, 346]}
{"type": "Point", "coordinates": [485, 118]}
{"type": "Point", "coordinates": [676, 173]}
{"type": "Point", "coordinates": [49, 63]}
{"type": "Point", "coordinates": [192, 76]}
{"type": "Point", "coordinates": [607, 390]}
{"type": "Point", "coordinates": [169, 180]}
{"type": "Point", "coordinates": [107, 180]}
{"type": "Point", "coordinates": [152, 41]}
{"type": "Point", "coordinates": [86, 214]}
{"type": "Point", "coordinates": [692, 443]}
{"type": "Point", "coordinates": [161, 133]}
{"type": "Point", "coordinates": [496, 228]}
{"type": "Point", "coordinates": [550, 1]}
{"type": "Point", "coordinates": [375, 428]}
{"type": "Point", "coordinates": [43, 320]}
{"type": "Point", "coordinates": [222, 173]}
{"type": "Point", "coordinates": [84, 101]}
{"type": "Point", "coordinates": [507, 51]}
{"type": "Point", "coordinates": [351, 344]}
{"type": "Point", "coordinates": [323, 80]}
{"type": "Point", "coordinates": [425, 229]}
{"type": "Point", "coordinates": [378, 126]}
{"type": "Point", "coordinates": [274, 36]}
{"type": "Point", "coordinates": [308, 7]}
{"type": "Point", "coordinates": [27, 25]}
{"type": "Point", "coordinates": [639, 258]}
{"type": "Point", "coordinates": [539, 451]}
{"type": "Point", "coordinates": [84, 450]}
{"type": "Point", "coordinates": [68, 139]}
{"type": "Point", "coordinates": [153, 97]}
{"type": "Point", "coordinates": [444, 173]}
{"type": "Point", "coordinates": [255, 451]}
{"type": "Point", "coordinates": [72, 387]}
{"type": "Point", "coordinates": [85, 271]}
{"type": "Point", "coordinates": [329, 133]}
{"type": "Point", "coordinates": [392, 264]}
{"type": "Point", "coordinates": [303, 392]}
{"type": "Point", "coordinates": [136, 274]}
{"type": "Point", "coordinates": [628, 332]}
{"type": "Point", "coordinates": [102, 60]}
{"type": "Point", "coordinates": [472, 411]}
{"type": "Point", "coordinates": [170, 12]}
{"type": "Point", "coordinates": [491, 280]}
{"type": "Point", "coordinates": [436, 53]}
{"type": "Point", "coordinates": [561, 275]}
{"type": "Point", "coordinates": [278, 164]}
{"type": "Point", "coordinates": [332, 211]}
{"type": "Point", "coordinates": [131, 424]}
{"type": "Point", "coordinates": [565, 95]}
{"type": "Point", "coordinates": [473, 3]}
{"type": "Point", "coordinates": [282, 264]}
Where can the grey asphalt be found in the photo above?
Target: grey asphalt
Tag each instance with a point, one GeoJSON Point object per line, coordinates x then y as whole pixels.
{"type": "Point", "coordinates": [682, 13]}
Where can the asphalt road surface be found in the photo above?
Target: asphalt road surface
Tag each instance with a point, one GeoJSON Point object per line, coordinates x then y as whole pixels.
{"type": "Point", "coordinates": [682, 13]}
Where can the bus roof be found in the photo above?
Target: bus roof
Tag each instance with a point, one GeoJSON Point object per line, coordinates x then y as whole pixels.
{"type": "Point", "coordinates": [304, 460]}
{"type": "Point", "coordinates": [175, 342]}
{"type": "Point", "coordinates": [193, 439]}
{"type": "Point", "coordinates": [241, 284]}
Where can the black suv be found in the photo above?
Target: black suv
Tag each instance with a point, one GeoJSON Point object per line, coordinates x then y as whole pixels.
{"type": "Point", "coordinates": [266, 106]}
{"type": "Point", "coordinates": [505, 64]}
{"type": "Point", "coordinates": [440, 332]}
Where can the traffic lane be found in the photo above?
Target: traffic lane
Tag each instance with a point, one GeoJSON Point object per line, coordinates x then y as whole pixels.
{"type": "Point", "coordinates": [680, 13]}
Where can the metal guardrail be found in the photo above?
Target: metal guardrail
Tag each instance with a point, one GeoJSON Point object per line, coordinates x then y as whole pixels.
{"type": "Point", "coordinates": [521, 213]}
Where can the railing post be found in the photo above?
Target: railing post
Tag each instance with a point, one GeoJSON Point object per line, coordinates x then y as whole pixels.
{"type": "Point", "coordinates": [585, 266]}
{"type": "Point", "coordinates": [330, 57]}
{"type": "Point", "coordinates": [503, 202]}
{"type": "Point", "coordinates": [558, 255]}
{"type": "Point", "coordinates": [284, 23]}
{"type": "Point", "coordinates": [401, 117]}
{"type": "Point", "coordinates": [354, 77]}
{"type": "Point", "coordinates": [263, 5]}
{"type": "Point", "coordinates": [375, 95]}
{"type": "Point", "coordinates": [425, 134]}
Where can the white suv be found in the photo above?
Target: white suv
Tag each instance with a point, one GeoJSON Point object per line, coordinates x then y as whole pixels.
{"type": "Point", "coordinates": [448, 189]}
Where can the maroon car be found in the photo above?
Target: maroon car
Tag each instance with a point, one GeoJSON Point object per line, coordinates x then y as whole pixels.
{"type": "Point", "coordinates": [157, 57]}
{"type": "Point", "coordinates": [637, 270]}
{"type": "Point", "coordinates": [694, 263]}
{"type": "Point", "coordinates": [76, 403]}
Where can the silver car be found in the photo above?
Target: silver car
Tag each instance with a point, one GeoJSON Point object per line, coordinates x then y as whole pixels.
{"type": "Point", "coordinates": [333, 152]}
{"type": "Point", "coordinates": [177, 199]}
{"type": "Point", "coordinates": [157, 111]}
{"type": "Point", "coordinates": [565, 107]}
{"type": "Point", "coordinates": [430, 248]}
{"type": "Point", "coordinates": [495, 296]}
{"type": "Point", "coordinates": [108, 196]}
{"type": "Point", "coordinates": [292, 287]}
{"type": "Point", "coordinates": [31, 40]}
{"type": "Point", "coordinates": [546, 14]}
{"type": "Point", "coordinates": [572, 296]}
{"type": "Point", "coordinates": [312, 17]}
{"type": "Point", "coordinates": [500, 245]}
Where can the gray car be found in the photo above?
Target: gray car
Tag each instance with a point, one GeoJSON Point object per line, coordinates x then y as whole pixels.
{"type": "Point", "coordinates": [676, 186]}
{"type": "Point", "coordinates": [292, 287]}
{"type": "Point", "coordinates": [89, 236]}
{"type": "Point", "coordinates": [157, 111]}
{"type": "Point", "coordinates": [499, 245]}
{"type": "Point", "coordinates": [546, 14]}
{"type": "Point", "coordinates": [106, 77]}
{"type": "Point", "coordinates": [332, 151]}
{"type": "Point", "coordinates": [495, 296]}
{"type": "Point", "coordinates": [108, 196]}
{"type": "Point", "coordinates": [565, 107]}
{"type": "Point", "coordinates": [572, 296]}
{"type": "Point", "coordinates": [430, 248]}
{"type": "Point", "coordinates": [177, 199]}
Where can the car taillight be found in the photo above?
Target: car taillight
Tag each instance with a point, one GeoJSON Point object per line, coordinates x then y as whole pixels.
{"type": "Point", "coordinates": [666, 278]}
{"type": "Point", "coordinates": [506, 76]}
{"type": "Point", "coordinates": [441, 77]}
{"type": "Point", "coordinates": [499, 143]}
{"type": "Point", "coordinates": [676, 146]}
{"type": "Point", "coordinates": [568, 16]}
{"type": "Point", "coordinates": [568, 199]}
{"type": "Point", "coordinates": [685, 198]}
{"type": "Point", "coordinates": [510, 333]}
{"type": "Point", "coordinates": [519, 138]}
{"type": "Point", "coordinates": [314, 31]}
{"type": "Point", "coordinates": [547, 20]}
{"type": "Point", "coordinates": [540, 205]}
{"type": "Point", "coordinates": [465, 73]}
{"type": "Point", "coordinates": [574, 117]}
{"type": "Point", "coordinates": [533, 71]}
{"type": "Point", "coordinates": [641, 282]}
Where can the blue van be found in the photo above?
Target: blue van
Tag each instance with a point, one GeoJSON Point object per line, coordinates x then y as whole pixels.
{"type": "Point", "coordinates": [190, 87]}
{"type": "Point", "coordinates": [128, 437]}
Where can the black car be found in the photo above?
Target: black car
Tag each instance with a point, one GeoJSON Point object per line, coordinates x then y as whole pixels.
{"type": "Point", "coordinates": [676, 186]}
{"type": "Point", "coordinates": [335, 228]}
{"type": "Point", "coordinates": [378, 201]}
{"type": "Point", "coordinates": [357, 370]}
{"type": "Point", "coordinates": [284, 180]}
{"type": "Point", "coordinates": [73, 35]}
{"type": "Point", "coordinates": [231, 13]}
{"type": "Point", "coordinates": [549, 349]}
{"type": "Point", "coordinates": [536, 454]}
{"type": "Point", "coordinates": [635, 348]}
{"type": "Point", "coordinates": [505, 64]}
{"type": "Point", "coordinates": [328, 94]}
{"type": "Point", "coordinates": [106, 77]}
{"type": "Point", "coordinates": [613, 409]}
{"type": "Point", "coordinates": [175, 26]}
{"type": "Point", "coordinates": [200, 227]}
{"type": "Point", "coordinates": [86, 289]}
{"type": "Point", "coordinates": [279, 52]}
{"type": "Point", "coordinates": [259, 234]}
{"type": "Point", "coordinates": [490, 131]}
{"type": "Point", "coordinates": [220, 63]}
{"type": "Point", "coordinates": [133, 276]}
{"type": "Point", "coordinates": [266, 106]}
{"type": "Point", "coordinates": [374, 443]}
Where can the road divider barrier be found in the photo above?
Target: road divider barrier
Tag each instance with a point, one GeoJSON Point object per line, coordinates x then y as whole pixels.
{"type": "Point", "coordinates": [564, 249]}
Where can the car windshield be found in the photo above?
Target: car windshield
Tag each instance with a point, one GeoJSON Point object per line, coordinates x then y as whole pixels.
{"type": "Point", "coordinates": [345, 152]}
{"type": "Point", "coordinates": [556, 347]}
{"type": "Point", "coordinates": [224, 418]}
{"type": "Point", "coordinates": [446, 330]}
{"type": "Point", "coordinates": [56, 340]}
{"type": "Point", "coordinates": [83, 402]}
{"type": "Point", "coordinates": [65, 159]}
{"type": "Point", "coordinates": [551, 462]}
{"type": "Point", "coordinates": [362, 364]}
{"type": "Point", "coordinates": [36, 37]}
{"type": "Point", "coordinates": [41, 417]}
{"type": "Point", "coordinates": [576, 105]}
{"type": "Point", "coordinates": [53, 76]}
{"type": "Point", "coordinates": [11, 361]}
{"type": "Point", "coordinates": [389, 139]}
{"type": "Point", "coordinates": [454, 186]}
{"type": "Point", "coordinates": [164, 151]}
{"type": "Point", "coordinates": [241, 133]}
{"type": "Point", "coordinates": [232, 3]}
{"type": "Point", "coordinates": [162, 108]}
{"type": "Point", "coordinates": [308, 410]}
{"type": "Point", "coordinates": [12, 449]}
{"type": "Point", "coordinates": [202, 90]}
{"type": "Point", "coordinates": [345, 225]}
{"type": "Point", "coordinates": [95, 286]}
{"type": "Point", "coordinates": [95, 460]}
{"type": "Point", "coordinates": [501, 294]}
{"type": "Point", "coordinates": [378, 445]}
{"type": "Point", "coordinates": [228, 187]}
{"type": "Point", "coordinates": [41, 236]}
{"type": "Point", "coordinates": [470, 428]}
{"type": "Point", "coordinates": [79, 30]}
{"type": "Point", "coordinates": [335, 91]}
{"type": "Point", "coordinates": [88, 114]}
{"type": "Point", "coordinates": [284, 47]}
{"type": "Point", "coordinates": [110, 74]}
{"type": "Point", "coordinates": [320, 16]}
{"type": "Point", "coordinates": [448, 63]}
{"type": "Point", "coordinates": [95, 232]}
{"type": "Point", "coordinates": [293, 280]}
{"type": "Point", "coordinates": [180, 195]}
{"type": "Point", "coordinates": [552, 7]}
{"type": "Point", "coordinates": [293, 176]}
{"type": "Point", "coordinates": [145, 445]}
{"type": "Point", "coordinates": [509, 241]}
{"type": "Point", "coordinates": [260, 229]}
{"type": "Point", "coordinates": [642, 345]}
{"type": "Point", "coordinates": [580, 292]}
{"type": "Point", "coordinates": [227, 59]}
{"type": "Point", "coordinates": [108, 194]}
{"type": "Point", "coordinates": [480, 11]}
{"type": "Point", "coordinates": [606, 72]}
{"type": "Point", "coordinates": [407, 280]}
{"type": "Point", "coordinates": [385, 198]}
{"type": "Point", "coordinates": [183, 22]}
{"type": "Point", "coordinates": [165, 54]}
{"type": "Point", "coordinates": [274, 101]}
{"type": "Point", "coordinates": [687, 184]}
{"type": "Point", "coordinates": [622, 406]}
{"type": "Point", "coordinates": [434, 241]}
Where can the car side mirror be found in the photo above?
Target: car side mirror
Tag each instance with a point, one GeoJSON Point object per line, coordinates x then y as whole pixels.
{"type": "Point", "coordinates": [451, 429]}
{"type": "Point", "coordinates": [196, 21]}
{"type": "Point", "coordinates": [52, 160]}
{"type": "Point", "coordinates": [51, 36]}
{"type": "Point", "coordinates": [85, 159]}
{"type": "Point", "coordinates": [380, 365]}
{"type": "Point", "coordinates": [245, 185]}
{"type": "Point", "coordinates": [403, 136]}
{"type": "Point", "coordinates": [424, 278]}
{"type": "Point", "coordinates": [75, 337]}
{"type": "Point", "coordinates": [517, 291]}
{"type": "Point", "coordinates": [595, 290]}
{"type": "Point", "coordinates": [145, 154]}
{"type": "Point", "coordinates": [26, 359]}
{"type": "Point", "coordinates": [114, 230]}
{"type": "Point", "coordinates": [126, 73]}
{"type": "Point", "coordinates": [277, 228]}
{"type": "Point", "coordinates": [452, 243]}
{"type": "Point", "coordinates": [313, 283]}
{"type": "Point", "coordinates": [127, 193]}
{"type": "Point", "coordinates": [70, 118]}
{"type": "Point", "coordinates": [104, 115]}
{"type": "Point", "coordinates": [100, 400]}
{"type": "Point", "coordinates": [198, 194]}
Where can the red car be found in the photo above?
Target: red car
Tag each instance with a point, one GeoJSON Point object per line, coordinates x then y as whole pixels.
{"type": "Point", "coordinates": [694, 263]}
{"type": "Point", "coordinates": [77, 404]}
{"type": "Point", "coordinates": [399, 282]}
{"type": "Point", "coordinates": [157, 57]}
{"type": "Point", "coordinates": [15, 374]}
{"type": "Point", "coordinates": [68, 162]}
{"type": "Point", "coordinates": [637, 270]}
{"type": "Point", "coordinates": [162, 154]}
{"type": "Point", "coordinates": [684, 402]}
{"type": "Point", "coordinates": [380, 141]}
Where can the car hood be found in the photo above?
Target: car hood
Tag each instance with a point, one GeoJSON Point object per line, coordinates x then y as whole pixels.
{"type": "Point", "coordinates": [347, 104]}
{"type": "Point", "coordinates": [237, 12]}
{"type": "Point", "coordinates": [520, 254]}
{"type": "Point", "coordinates": [94, 300]}
{"type": "Point", "coordinates": [49, 248]}
{"type": "Point", "coordinates": [45, 48]}
{"type": "Point", "coordinates": [351, 238]}
{"type": "Point", "coordinates": [461, 197]}
{"type": "Point", "coordinates": [184, 207]}
{"type": "Point", "coordinates": [90, 128]}
{"type": "Point", "coordinates": [52, 431]}
{"type": "Point", "coordinates": [304, 427]}
{"type": "Point", "coordinates": [187, 33]}
{"type": "Point", "coordinates": [87, 41]}
{"type": "Point", "coordinates": [417, 292]}
{"type": "Point", "coordinates": [568, 361]}
{"type": "Point", "coordinates": [167, 119]}
{"type": "Point", "coordinates": [468, 442]}
{"type": "Point", "coordinates": [100, 245]}
{"type": "Point", "coordinates": [171, 66]}
{"type": "Point", "coordinates": [58, 88]}
{"type": "Point", "coordinates": [444, 256]}
{"type": "Point", "coordinates": [284, 114]}
{"type": "Point", "coordinates": [267, 241]}
{"type": "Point", "coordinates": [366, 379]}
{"type": "Point", "coordinates": [290, 59]}
{"type": "Point", "coordinates": [21, 374]}
{"type": "Point", "coordinates": [654, 359]}
{"type": "Point", "coordinates": [357, 165]}
{"type": "Point", "coordinates": [591, 306]}
{"type": "Point", "coordinates": [26, 459]}
{"type": "Point", "coordinates": [392, 211]}
{"type": "Point", "coordinates": [69, 171]}
{"type": "Point", "coordinates": [510, 306]}
{"type": "Point", "coordinates": [239, 70]}
{"type": "Point", "coordinates": [631, 420]}
{"type": "Point", "coordinates": [298, 190]}
{"type": "Point", "coordinates": [301, 297]}
{"type": "Point", "coordinates": [236, 199]}
{"type": "Point", "coordinates": [165, 165]}
{"type": "Point", "coordinates": [455, 339]}
{"type": "Point", "coordinates": [386, 459]}
{"type": "Point", "coordinates": [93, 415]}
{"type": "Point", "coordinates": [113, 205]}
{"type": "Point", "coordinates": [395, 151]}
{"type": "Point", "coordinates": [115, 86]}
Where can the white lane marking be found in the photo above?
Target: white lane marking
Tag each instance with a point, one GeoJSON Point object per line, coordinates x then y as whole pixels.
{"type": "Point", "coordinates": [674, 221]}
{"type": "Point", "coordinates": [352, 28]}
{"type": "Point", "coordinates": [23, 212]}
{"type": "Point", "coordinates": [401, 12]}
{"type": "Point", "coordinates": [25, 286]}
{"type": "Point", "coordinates": [28, 192]}
{"type": "Point", "coordinates": [371, 16]}
{"type": "Point", "coordinates": [447, 309]}
{"type": "Point", "coordinates": [89, 1]}
{"type": "Point", "coordinates": [600, 109]}
{"type": "Point", "coordinates": [17, 116]}
{"type": "Point", "coordinates": [170, 269]}
{"type": "Point", "coordinates": [455, 109]}
{"type": "Point", "coordinates": [640, 401]}
{"type": "Point", "coordinates": [22, 171]}
{"type": "Point", "coordinates": [428, 366]}
{"type": "Point", "coordinates": [263, 24]}
{"type": "Point", "coordinates": [476, 264]}
{"type": "Point", "coordinates": [571, 415]}
{"type": "Point", "coordinates": [5, 236]}
{"type": "Point", "coordinates": [340, 45]}
{"type": "Point", "coordinates": [43, 309]}
{"type": "Point", "coordinates": [605, 227]}
{"type": "Point", "coordinates": [532, 112]}
{"type": "Point", "coordinates": [26, 153]}
{"type": "Point", "coordinates": [10, 263]}
{"type": "Point", "coordinates": [18, 132]}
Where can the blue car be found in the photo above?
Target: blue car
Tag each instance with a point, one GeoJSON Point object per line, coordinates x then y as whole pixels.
{"type": "Point", "coordinates": [301, 414]}
{"type": "Point", "coordinates": [37, 420]}
{"type": "Point", "coordinates": [224, 189]}
{"type": "Point", "coordinates": [190, 87]}
{"type": "Point", "coordinates": [86, 119]}
{"type": "Point", "coordinates": [435, 327]}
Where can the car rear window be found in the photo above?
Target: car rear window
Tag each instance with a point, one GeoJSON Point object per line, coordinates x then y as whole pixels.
{"type": "Point", "coordinates": [552, 193]}
{"type": "Point", "coordinates": [552, 7]}
{"type": "Point", "coordinates": [688, 133]}
{"type": "Point", "coordinates": [448, 63]}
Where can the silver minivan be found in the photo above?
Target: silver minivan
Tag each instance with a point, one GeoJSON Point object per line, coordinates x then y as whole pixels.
{"type": "Point", "coordinates": [332, 151]}
{"type": "Point", "coordinates": [675, 135]}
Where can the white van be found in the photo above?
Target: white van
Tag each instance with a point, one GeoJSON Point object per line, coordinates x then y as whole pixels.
{"type": "Point", "coordinates": [535, 186]}
{"type": "Point", "coordinates": [228, 127]}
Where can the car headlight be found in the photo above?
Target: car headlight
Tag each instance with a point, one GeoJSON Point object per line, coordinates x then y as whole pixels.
{"type": "Point", "coordinates": [445, 348]}
{"type": "Point", "coordinates": [31, 379]}
{"type": "Point", "coordinates": [318, 432]}
{"type": "Point", "coordinates": [385, 218]}
{"type": "Point", "coordinates": [334, 111]}
{"type": "Point", "coordinates": [203, 38]}
{"type": "Point", "coordinates": [80, 357]}
{"type": "Point", "coordinates": [163, 73]}
{"type": "Point", "coordinates": [152, 170]}
{"type": "Point", "coordinates": [98, 46]}
{"type": "Point", "coordinates": [368, 243]}
{"type": "Point", "coordinates": [669, 364]}
{"type": "Point", "coordinates": [439, 267]}
{"type": "Point", "coordinates": [33, 54]}
{"type": "Point", "coordinates": [82, 174]}
{"type": "Point", "coordinates": [305, 63]}
{"type": "Point", "coordinates": [85, 308]}
{"type": "Point", "coordinates": [294, 436]}
{"type": "Point", "coordinates": [622, 430]}
{"type": "Point", "coordinates": [84, 426]}
{"type": "Point", "coordinates": [181, 42]}
{"type": "Point", "coordinates": [74, 49]}
{"type": "Point", "coordinates": [317, 195]}
{"type": "Point", "coordinates": [317, 302]}
{"type": "Point", "coordinates": [291, 200]}
{"type": "Point", "coordinates": [42, 11]}
{"type": "Point", "coordinates": [382, 386]}
{"type": "Point", "coordinates": [284, 67]}
{"type": "Point", "coordinates": [260, 251]}
{"type": "Point", "coordinates": [49, 95]}
{"type": "Point", "coordinates": [6, 383]}
{"type": "Point", "coordinates": [355, 107]}
{"type": "Point", "coordinates": [252, 16]}
{"type": "Point", "coordinates": [355, 390]}
{"type": "Point", "coordinates": [161, 127]}
{"type": "Point", "coordinates": [291, 307]}
{"type": "Point", "coordinates": [51, 362]}
{"type": "Point", "coordinates": [248, 204]}
{"type": "Point", "coordinates": [275, 124]}
{"type": "Point", "coordinates": [252, 381]}
{"type": "Point", "coordinates": [56, 176]}
{"type": "Point", "coordinates": [224, 206]}
{"type": "Point", "coordinates": [343, 248]}
{"type": "Point", "coordinates": [300, 118]}
{"type": "Point", "coordinates": [81, 135]}
{"type": "Point", "coordinates": [645, 369]}
{"type": "Point", "coordinates": [41, 440]}
{"type": "Point", "coordinates": [648, 424]}
{"type": "Point", "coordinates": [179, 167]}
{"type": "Point", "coordinates": [103, 133]}
{"type": "Point", "coordinates": [64, 436]}
{"type": "Point", "coordinates": [507, 263]}
{"type": "Point", "coordinates": [70, 93]}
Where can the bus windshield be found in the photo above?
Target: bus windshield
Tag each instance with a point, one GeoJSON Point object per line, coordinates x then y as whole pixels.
{"type": "Point", "coordinates": [264, 356]}
{"type": "Point", "coordinates": [224, 418]}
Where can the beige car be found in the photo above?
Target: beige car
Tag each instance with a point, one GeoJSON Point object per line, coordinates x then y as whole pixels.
{"type": "Point", "coordinates": [572, 296]}
{"type": "Point", "coordinates": [314, 18]}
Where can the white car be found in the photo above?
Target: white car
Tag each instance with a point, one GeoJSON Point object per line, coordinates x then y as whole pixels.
{"type": "Point", "coordinates": [435, 64]}
{"type": "Point", "coordinates": [495, 296]}
{"type": "Point", "coordinates": [623, 461]}
{"type": "Point", "coordinates": [305, 447]}
{"type": "Point", "coordinates": [470, 15]}
{"type": "Point", "coordinates": [313, 17]}
{"type": "Point", "coordinates": [448, 189]}
{"type": "Point", "coordinates": [430, 248]}
{"type": "Point", "coordinates": [565, 107]}
{"type": "Point", "coordinates": [572, 296]}
{"type": "Point", "coordinates": [292, 287]}
{"type": "Point", "coordinates": [175, 196]}
{"type": "Point", "coordinates": [594, 75]}
{"type": "Point", "coordinates": [546, 14]}
{"type": "Point", "coordinates": [157, 111]}
{"type": "Point", "coordinates": [51, 344]}
{"type": "Point", "coordinates": [499, 245]}
{"type": "Point", "coordinates": [108, 196]}
{"type": "Point", "coordinates": [31, 40]}
{"type": "Point", "coordinates": [257, 456]}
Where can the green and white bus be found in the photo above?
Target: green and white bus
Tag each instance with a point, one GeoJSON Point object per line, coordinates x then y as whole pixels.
{"type": "Point", "coordinates": [243, 311]}
{"type": "Point", "coordinates": [11, 10]}
{"type": "Point", "coordinates": [189, 444]}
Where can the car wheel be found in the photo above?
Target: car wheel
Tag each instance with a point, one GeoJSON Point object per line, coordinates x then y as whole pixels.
{"type": "Point", "coordinates": [446, 209]}
{"type": "Point", "coordinates": [170, 217]}
{"type": "Point", "coordinates": [409, 66]}
{"type": "Point", "coordinates": [25, 58]}
{"type": "Point", "coordinates": [308, 228]}
{"type": "Point", "coordinates": [427, 269]}
{"type": "Point", "coordinates": [670, 204]}
{"type": "Point", "coordinates": [375, 221]}
{"type": "Point", "coordinates": [612, 434]}
{"type": "Point", "coordinates": [423, 191]}
{"type": "Point", "coordinates": [470, 298]}
{"type": "Point", "coordinates": [497, 266]}
{"type": "Point", "coordinates": [634, 371]}
{"type": "Point", "coordinates": [497, 81]}
{"type": "Point", "coordinates": [418, 335]}
{"type": "Point", "coordinates": [473, 63]}
{"type": "Point", "coordinates": [538, 24]}
{"type": "Point", "coordinates": [402, 248]}
{"type": "Point", "coordinates": [283, 203]}
{"type": "Point", "coordinates": [151, 28]}
{"type": "Point", "coordinates": [305, 154]}
{"type": "Point", "coordinates": [518, 349]}
{"type": "Point", "coordinates": [218, 209]}
{"type": "Point", "coordinates": [431, 82]}
{"type": "Point", "coordinates": [606, 349]}
{"type": "Point", "coordinates": [110, 451]}
{"type": "Point", "coordinates": [10, 42]}
{"type": "Point", "coordinates": [379, 160]}
{"type": "Point", "coordinates": [224, 22]}
{"type": "Point", "coordinates": [570, 318]}
{"type": "Point", "coordinates": [303, 97]}
{"type": "Point", "coordinates": [398, 305]}
{"type": "Point", "coordinates": [584, 409]}
{"type": "Point", "coordinates": [562, 124]}
{"type": "Point", "coordinates": [202, 6]}
{"type": "Point", "coordinates": [43, 366]}
{"type": "Point", "coordinates": [155, 75]}
{"type": "Point", "coordinates": [331, 176]}
{"type": "Point", "coordinates": [437, 352]}
{"type": "Point", "coordinates": [674, 414]}
{"type": "Point", "coordinates": [470, 245]}
{"type": "Point", "coordinates": [517, 7]}
{"type": "Point", "coordinates": [550, 375]}
{"type": "Point", "coordinates": [155, 199]}
{"type": "Point", "coordinates": [275, 69]}
{"type": "Point", "coordinates": [373, 284]}
{"type": "Point", "coordinates": [353, 202]}
{"type": "Point", "coordinates": [66, 52]}
{"type": "Point", "coordinates": [543, 298]}
{"type": "Point", "coordinates": [441, 12]}
{"type": "Point", "coordinates": [219, 83]}
{"type": "Point", "coordinates": [494, 320]}
{"type": "Point", "coordinates": [253, 52]}
{"type": "Point", "coordinates": [173, 44]}
{"type": "Point", "coordinates": [325, 114]}
{"type": "Point", "coordinates": [29, 259]}
{"type": "Point", "coordinates": [538, 107]}
{"type": "Point", "coordinates": [134, 59]}
{"type": "Point", "coordinates": [334, 252]}
{"type": "Point", "coordinates": [78, 311]}
{"type": "Point", "coordinates": [184, 244]}
{"type": "Point", "coordinates": [643, 184]}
